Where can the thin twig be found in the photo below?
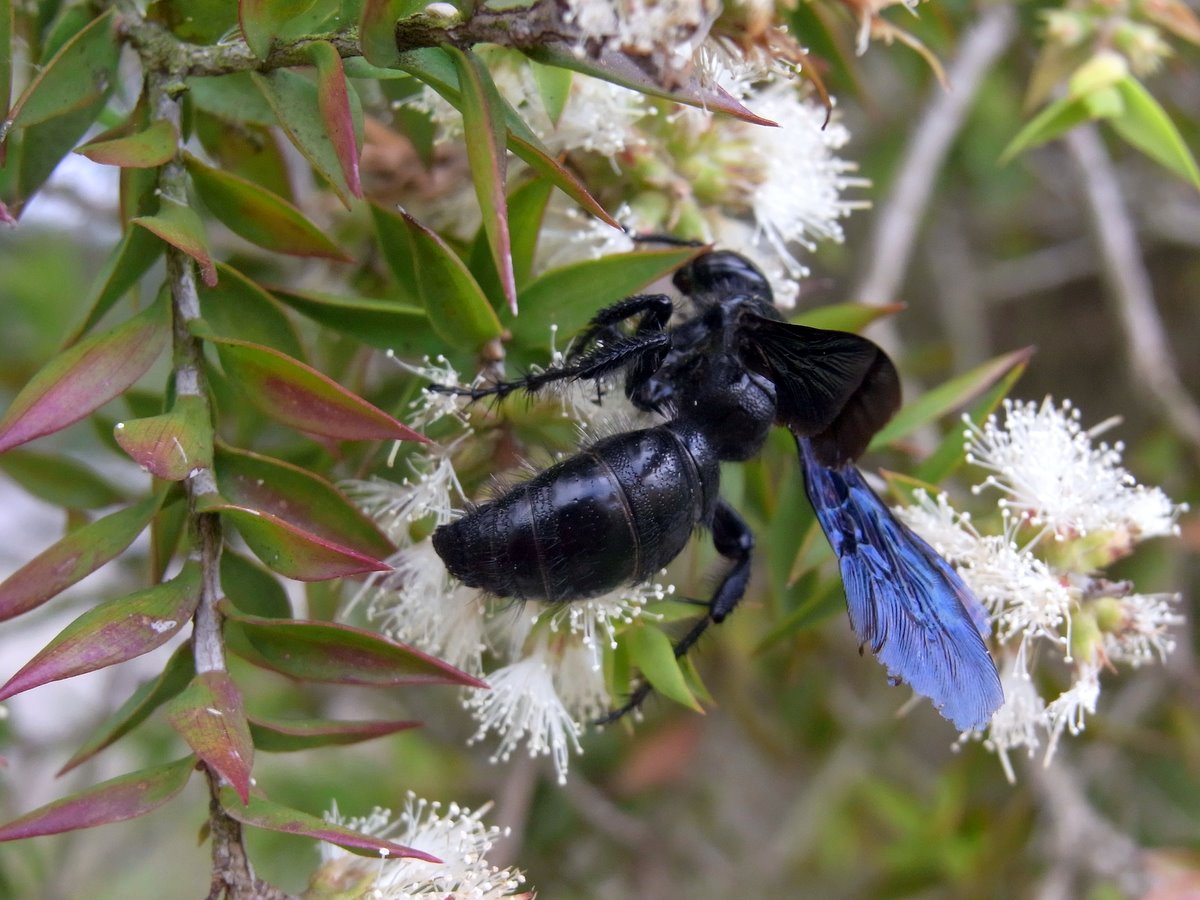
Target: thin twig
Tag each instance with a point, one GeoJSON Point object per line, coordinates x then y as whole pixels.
{"type": "Point", "coordinates": [1129, 286]}
{"type": "Point", "coordinates": [898, 221]}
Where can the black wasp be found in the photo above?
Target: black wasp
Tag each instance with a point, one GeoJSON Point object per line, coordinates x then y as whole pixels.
{"type": "Point", "coordinates": [621, 509]}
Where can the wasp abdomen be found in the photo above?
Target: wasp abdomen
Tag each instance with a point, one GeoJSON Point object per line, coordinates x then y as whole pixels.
{"type": "Point", "coordinates": [612, 515]}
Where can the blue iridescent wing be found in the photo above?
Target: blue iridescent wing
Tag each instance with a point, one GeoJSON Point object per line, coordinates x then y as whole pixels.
{"type": "Point", "coordinates": [906, 603]}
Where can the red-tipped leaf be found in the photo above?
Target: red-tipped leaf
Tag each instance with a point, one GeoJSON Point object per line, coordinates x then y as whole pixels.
{"type": "Point", "coordinates": [173, 445]}
{"type": "Point", "coordinates": [80, 553]}
{"type": "Point", "coordinates": [289, 735]}
{"type": "Point", "coordinates": [84, 377]}
{"type": "Point", "coordinates": [299, 396]}
{"type": "Point", "coordinates": [143, 150]}
{"type": "Point", "coordinates": [209, 716]}
{"type": "Point", "coordinates": [180, 227]}
{"type": "Point", "coordinates": [262, 20]}
{"type": "Point", "coordinates": [116, 800]}
{"type": "Point", "coordinates": [340, 654]}
{"type": "Point", "coordinates": [263, 813]}
{"type": "Point", "coordinates": [113, 632]}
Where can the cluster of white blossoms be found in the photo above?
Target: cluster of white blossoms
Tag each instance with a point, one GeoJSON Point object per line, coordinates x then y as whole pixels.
{"type": "Point", "coordinates": [456, 836]}
{"type": "Point", "coordinates": [770, 192]}
{"type": "Point", "coordinates": [543, 664]}
{"type": "Point", "coordinates": [1067, 508]}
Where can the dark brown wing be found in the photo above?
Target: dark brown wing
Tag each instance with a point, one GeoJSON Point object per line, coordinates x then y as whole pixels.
{"type": "Point", "coordinates": [835, 388]}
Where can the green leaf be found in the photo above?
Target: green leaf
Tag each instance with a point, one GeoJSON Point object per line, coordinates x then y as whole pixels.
{"type": "Point", "coordinates": [526, 209]}
{"type": "Point", "coordinates": [290, 735]}
{"type": "Point", "coordinates": [114, 800]}
{"type": "Point", "coordinates": [301, 397]}
{"type": "Point", "coordinates": [637, 73]}
{"type": "Point", "coordinates": [846, 316]}
{"type": "Point", "coordinates": [147, 698]}
{"type": "Point", "coordinates": [484, 127]}
{"type": "Point", "coordinates": [384, 323]}
{"type": "Point", "coordinates": [232, 98]}
{"type": "Point", "coordinates": [1146, 125]}
{"type": "Point", "coordinates": [339, 654]}
{"type": "Point", "coordinates": [554, 87]}
{"type": "Point", "coordinates": [180, 227]}
{"type": "Point", "coordinates": [291, 550]}
{"type": "Point", "coordinates": [78, 554]}
{"type": "Point", "coordinates": [1054, 121]}
{"type": "Point", "coordinates": [339, 111]}
{"type": "Point", "coordinates": [652, 653]}
{"type": "Point", "coordinates": [252, 588]}
{"type": "Point", "coordinates": [59, 480]}
{"type": "Point", "coordinates": [299, 497]}
{"type": "Point", "coordinates": [143, 150]}
{"type": "Point", "coordinates": [262, 813]}
{"type": "Point", "coordinates": [129, 261]}
{"type": "Point", "coordinates": [377, 29]}
{"type": "Point", "coordinates": [208, 715]}
{"type": "Point", "coordinates": [84, 377]}
{"type": "Point", "coordinates": [457, 307]}
{"type": "Point", "coordinates": [262, 20]}
{"type": "Point", "coordinates": [113, 632]}
{"type": "Point", "coordinates": [81, 75]}
{"type": "Point", "coordinates": [259, 216]}
{"type": "Point", "coordinates": [238, 308]}
{"type": "Point", "coordinates": [302, 108]}
{"type": "Point", "coordinates": [245, 149]}
{"type": "Point", "coordinates": [173, 445]}
{"type": "Point", "coordinates": [947, 397]}
{"type": "Point", "coordinates": [570, 295]}
{"type": "Point", "coordinates": [951, 453]}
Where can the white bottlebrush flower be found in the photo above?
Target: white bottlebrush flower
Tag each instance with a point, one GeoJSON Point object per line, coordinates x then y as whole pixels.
{"type": "Point", "coordinates": [946, 529]}
{"type": "Point", "coordinates": [430, 406]}
{"type": "Point", "coordinates": [1026, 598]}
{"type": "Point", "coordinates": [673, 28]}
{"type": "Point", "coordinates": [1067, 712]}
{"type": "Point", "coordinates": [571, 235]}
{"type": "Point", "coordinates": [1019, 721]}
{"type": "Point", "coordinates": [455, 835]}
{"type": "Point", "coordinates": [595, 619]}
{"type": "Point", "coordinates": [1053, 476]}
{"type": "Point", "coordinates": [1142, 634]}
{"type": "Point", "coordinates": [524, 706]}
{"type": "Point", "coordinates": [428, 490]}
{"type": "Point", "coordinates": [419, 603]}
{"type": "Point", "coordinates": [599, 117]}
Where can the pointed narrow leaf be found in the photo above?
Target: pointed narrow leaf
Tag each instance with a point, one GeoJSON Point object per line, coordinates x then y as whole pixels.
{"type": "Point", "coordinates": [526, 210]}
{"type": "Point", "coordinates": [377, 29]}
{"type": "Point", "coordinates": [456, 305]}
{"type": "Point", "coordinates": [115, 800]}
{"type": "Point", "coordinates": [263, 813]}
{"type": "Point", "coordinates": [554, 87]}
{"type": "Point", "coordinates": [846, 316]}
{"type": "Point", "coordinates": [208, 715]}
{"type": "Point", "coordinates": [1146, 125]}
{"type": "Point", "coordinates": [143, 150]}
{"type": "Point", "coordinates": [1054, 121]}
{"type": "Point", "coordinates": [384, 323]}
{"type": "Point", "coordinates": [259, 216]}
{"type": "Point", "coordinates": [292, 551]}
{"type": "Point", "coordinates": [392, 232]}
{"type": "Point", "coordinates": [339, 654]}
{"type": "Point", "coordinates": [300, 497]}
{"type": "Point", "coordinates": [180, 227]}
{"type": "Point", "coordinates": [952, 452]}
{"type": "Point", "coordinates": [651, 651]}
{"type": "Point", "coordinates": [288, 735]}
{"type": "Point", "coordinates": [80, 553]}
{"type": "Point", "coordinates": [483, 124]}
{"type": "Point", "coordinates": [113, 632]}
{"type": "Point", "coordinates": [631, 72]}
{"type": "Point", "coordinates": [432, 65]}
{"type": "Point", "coordinates": [570, 295]}
{"type": "Point", "coordinates": [129, 261]}
{"type": "Point", "coordinates": [82, 73]}
{"type": "Point", "coordinates": [174, 677]}
{"type": "Point", "coordinates": [337, 110]}
{"type": "Point", "coordinates": [238, 308]}
{"type": "Point", "coordinates": [59, 480]}
{"type": "Point", "coordinates": [83, 378]}
{"type": "Point", "coordinates": [252, 588]}
{"type": "Point", "coordinates": [262, 20]}
{"type": "Point", "coordinates": [301, 397]}
{"type": "Point", "coordinates": [947, 397]}
{"type": "Point", "coordinates": [173, 445]}
{"type": "Point", "coordinates": [297, 102]}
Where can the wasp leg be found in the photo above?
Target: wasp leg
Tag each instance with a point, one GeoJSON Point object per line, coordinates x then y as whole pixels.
{"type": "Point", "coordinates": [734, 540]}
{"type": "Point", "coordinates": [612, 357]}
{"type": "Point", "coordinates": [655, 310]}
